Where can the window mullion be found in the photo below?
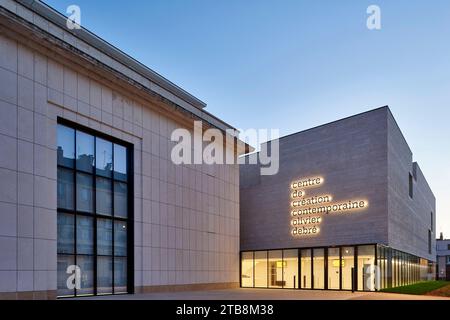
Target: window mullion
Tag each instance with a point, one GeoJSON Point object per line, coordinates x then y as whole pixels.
{"type": "Point", "coordinates": [113, 216]}
{"type": "Point", "coordinates": [94, 193]}
{"type": "Point", "coordinates": [75, 205]}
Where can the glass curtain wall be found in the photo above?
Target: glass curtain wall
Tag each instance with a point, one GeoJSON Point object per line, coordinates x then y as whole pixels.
{"type": "Point", "coordinates": [306, 269]}
{"type": "Point", "coordinates": [398, 268]}
{"type": "Point", "coordinates": [290, 268]}
{"type": "Point", "coordinates": [260, 272]}
{"type": "Point", "coordinates": [247, 269]}
{"type": "Point", "coordinates": [366, 268]}
{"type": "Point", "coordinates": [334, 268]}
{"type": "Point", "coordinates": [348, 267]}
{"type": "Point", "coordinates": [276, 269]}
{"type": "Point", "coordinates": [92, 221]}
{"type": "Point", "coordinates": [319, 268]}
{"type": "Point", "coordinates": [363, 268]}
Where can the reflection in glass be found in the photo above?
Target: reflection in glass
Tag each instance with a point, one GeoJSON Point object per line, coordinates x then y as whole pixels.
{"type": "Point", "coordinates": [290, 268]}
{"type": "Point", "coordinates": [120, 199]}
{"type": "Point", "coordinates": [120, 162]}
{"type": "Point", "coordinates": [103, 196]}
{"type": "Point", "coordinates": [86, 264]}
{"type": "Point", "coordinates": [120, 238]}
{"type": "Point", "coordinates": [97, 245]}
{"type": "Point", "coordinates": [333, 268]}
{"type": "Point", "coordinates": [64, 261]}
{"type": "Point", "coordinates": [104, 275]}
{"type": "Point", "coordinates": [247, 269]}
{"type": "Point", "coordinates": [103, 160]}
{"type": "Point", "coordinates": [366, 269]}
{"type": "Point", "coordinates": [65, 146]}
{"type": "Point", "coordinates": [382, 265]}
{"type": "Point", "coordinates": [261, 269]}
{"type": "Point", "coordinates": [85, 152]}
{"type": "Point", "coordinates": [319, 268]}
{"type": "Point", "coordinates": [65, 233]}
{"type": "Point", "coordinates": [275, 269]}
{"type": "Point", "coordinates": [120, 275]}
{"type": "Point", "coordinates": [65, 189]}
{"type": "Point", "coordinates": [348, 264]}
{"type": "Point", "coordinates": [84, 193]}
{"type": "Point", "coordinates": [104, 237]}
{"type": "Point", "coordinates": [85, 235]}
{"type": "Point", "coordinates": [305, 268]}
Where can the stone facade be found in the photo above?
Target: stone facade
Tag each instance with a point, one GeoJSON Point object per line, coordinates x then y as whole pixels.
{"type": "Point", "coordinates": [186, 226]}
{"type": "Point", "coordinates": [361, 157]}
{"type": "Point", "coordinates": [412, 220]}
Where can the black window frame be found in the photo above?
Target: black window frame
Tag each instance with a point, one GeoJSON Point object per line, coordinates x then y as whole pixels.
{"type": "Point", "coordinates": [129, 220]}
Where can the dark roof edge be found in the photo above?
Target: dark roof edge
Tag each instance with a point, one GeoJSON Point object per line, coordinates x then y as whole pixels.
{"type": "Point", "coordinates": [59, 19]}
{"type": "Point", "coordinates": [332, 122]}
{"type": "Point", "coordinates": [328, 123]}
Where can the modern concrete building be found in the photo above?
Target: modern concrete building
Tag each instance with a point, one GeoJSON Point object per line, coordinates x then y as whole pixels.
{"type": "Point", "coordinates": [348, 209]}
{"type": "Point", "coordinates": [443, 258]}
{"type": "Point", "coordinates": [87, 185]}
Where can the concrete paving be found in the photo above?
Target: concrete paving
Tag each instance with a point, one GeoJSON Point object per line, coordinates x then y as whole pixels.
{"type": "Point", "coordinates": [266, 294]}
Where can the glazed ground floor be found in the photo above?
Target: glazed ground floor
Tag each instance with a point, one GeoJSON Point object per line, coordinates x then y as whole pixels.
{"type": "Point", "coordinates": [355, 267]}
{"type": "Point", "coordinates": [238, 294]}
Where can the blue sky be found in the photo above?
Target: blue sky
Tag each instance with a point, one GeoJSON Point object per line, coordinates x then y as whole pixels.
{"type": "Point", "coordinates": [295, 64]}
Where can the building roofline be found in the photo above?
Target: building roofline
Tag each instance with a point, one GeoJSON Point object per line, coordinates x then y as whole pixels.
{"type": "Point", "coordinates": [334, 121]}
{"type": "Point", "coordinates": [156, 83]}
{"type": "Point", "coordinates": [110, 50]}
{"type": "Point", "coordinates": [325, 124]}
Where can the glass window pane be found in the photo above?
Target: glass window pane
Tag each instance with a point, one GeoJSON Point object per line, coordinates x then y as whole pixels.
{"type": "Point", "coordinates": [120, 275]}
{"type": "Point", "coordinates": [261, 269]}
{"type": "Point", "coordinates": [318, 269]}
{"type": "Point", "coordinates": [104, 196]}
{"type": "Point", "coordinates": [290, 268]}
{"type": "Point", "coordinates": [120, 238]}
{"type": "Point", "coordinates": [104, 237]}
{"type": "Point", "coordinates": [64, 261]}
{"type": "Point", "coordinates": [382, 264]}
{"type": "Point", "coordinates": [333, 268]}
{"type": "Point", "coordinates": [103, 160]}
{"type": "Point", "coordinates": [84, 193]}
{"type": "Point", "coordinates": [275, 269]}
{"type": "Point", "coordinates": [85, 235]}
{"type": "Point", "coordinates": [85, 152]}
{"type": "Point", "coordinates": [305, 269]}
{"type": "Point", "coordinates": [120, 199]}
{"type": "Point", "coordinates": [104, 275]}
{"type": "Point", "coordinates": [66, 235]}
{"type": "Point", "coordinates": [120, 162]}
{"type": "Point", "coordinates": [247, 269]}
{"type": "Point", "coordinates": [65, 189]}
{"type": "Point", "coordinates": [366, 268]}
{"type": "Point", "coordinates": [66, 146]}
{"type": "Point", "coordinates": [86, 264]}
{"type": "Point", "coordinates": [348, 266]}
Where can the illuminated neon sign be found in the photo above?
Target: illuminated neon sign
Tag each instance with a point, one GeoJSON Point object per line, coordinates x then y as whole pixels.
{"type": "Point", "coordinates": [307, 212]}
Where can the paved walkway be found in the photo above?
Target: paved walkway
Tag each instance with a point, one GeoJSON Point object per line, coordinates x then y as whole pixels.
{"type": "Point", "coordinates": [267, 294]}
